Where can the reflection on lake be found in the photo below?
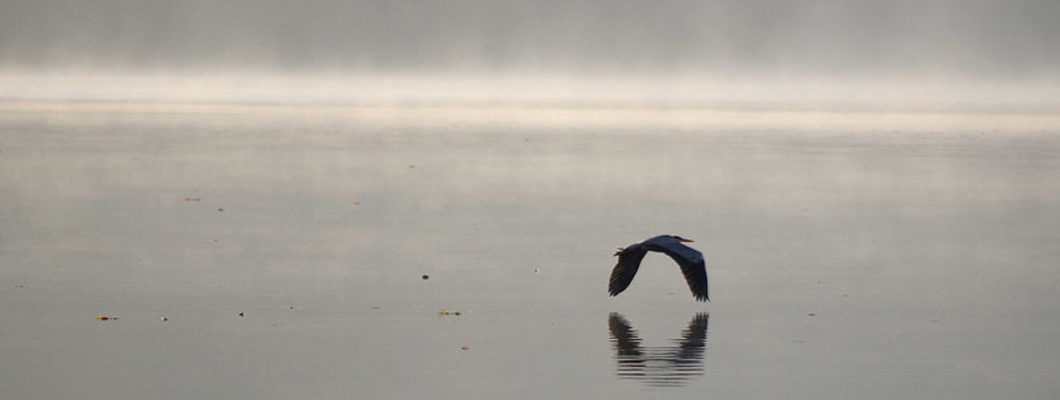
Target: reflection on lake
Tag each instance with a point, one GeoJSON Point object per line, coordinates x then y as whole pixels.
{"type": "Point", "coordinates": [659, 365]}
{"type": "Point", "coordinates": [849, 260]}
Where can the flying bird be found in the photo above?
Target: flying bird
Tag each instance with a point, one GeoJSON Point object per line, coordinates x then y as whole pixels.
{"type": "Point", "coordinates": [690, 260]}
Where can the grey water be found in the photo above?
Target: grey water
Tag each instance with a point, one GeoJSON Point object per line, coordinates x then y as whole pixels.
{"type": "Point", "coordinates": [248, 253]}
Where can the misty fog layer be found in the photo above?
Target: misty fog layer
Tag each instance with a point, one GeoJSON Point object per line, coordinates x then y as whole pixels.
{"type": "Point", "coordinates": [978, 37]}
{"type": "Point", "coordinates": [781, 49]}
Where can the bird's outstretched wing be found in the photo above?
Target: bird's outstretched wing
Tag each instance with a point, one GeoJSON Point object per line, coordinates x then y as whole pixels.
{"type": "Point", "coordinates": [628, 263]}
{"type": "Point", "coordinates": [692, 266]}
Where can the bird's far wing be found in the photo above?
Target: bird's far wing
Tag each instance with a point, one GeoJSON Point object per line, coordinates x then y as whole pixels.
{"type": "Point", "coordinates": [628, 263]}
{"type": "Point", "coordinates": [692, 266]}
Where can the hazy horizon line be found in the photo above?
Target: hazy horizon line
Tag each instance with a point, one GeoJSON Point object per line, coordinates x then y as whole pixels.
{"type": "Point", "coordinates": [528, 89]}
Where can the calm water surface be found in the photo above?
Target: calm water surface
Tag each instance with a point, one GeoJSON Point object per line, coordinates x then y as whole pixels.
{"type": "Point", "coordinates": [868, 265]}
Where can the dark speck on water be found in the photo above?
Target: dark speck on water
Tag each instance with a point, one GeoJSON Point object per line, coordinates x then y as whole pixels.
{"type": "Point", "coordinates": [425, 277]}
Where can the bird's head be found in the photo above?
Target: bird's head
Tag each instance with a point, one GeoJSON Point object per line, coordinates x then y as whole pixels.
{"type": "Point", "coordinates": [681, 239]}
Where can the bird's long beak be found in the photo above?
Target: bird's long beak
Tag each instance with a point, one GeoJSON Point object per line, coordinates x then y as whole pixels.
{"type": "Point", "coordinates": [687, 241]}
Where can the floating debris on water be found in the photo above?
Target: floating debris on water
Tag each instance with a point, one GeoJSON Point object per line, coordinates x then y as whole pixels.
{"type": "Point", "coordinates": [537, 271]}
{"type": "Point", "coordinates": [290, 307]}
{"type": "Point", "coordinates": [425, 277]}
{"type": "Point", "coordinates": [812, 314]}
{"type": "Point", "coordinates": [164, 319]}
{"type": "Point", "coordinates": [220, 210]}
{"type": "Point", "coordinates": [241, 314]}
{"type": "Point", "coordinates": [191, 199]}
{"type": "Point", "coordinates": [376, 307]}
{"type": "Point", "coordinates": [445, 313]}
{"type": "Point", "coordinates": [464, 348]}
{"type": "Point", "coordinates": [106, 318]}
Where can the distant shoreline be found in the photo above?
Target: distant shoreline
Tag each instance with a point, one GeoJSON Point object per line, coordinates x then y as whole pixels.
{"type": "Point", "coordinates": [678, 92]}
{"type": "Point", "coordinates": [617, 116]}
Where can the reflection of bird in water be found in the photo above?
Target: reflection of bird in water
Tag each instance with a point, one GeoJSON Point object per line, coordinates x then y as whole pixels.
{"type": "Point", "coordinates": [690, 260]}
{"type": "Point", "coordinates": [659, 365]}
